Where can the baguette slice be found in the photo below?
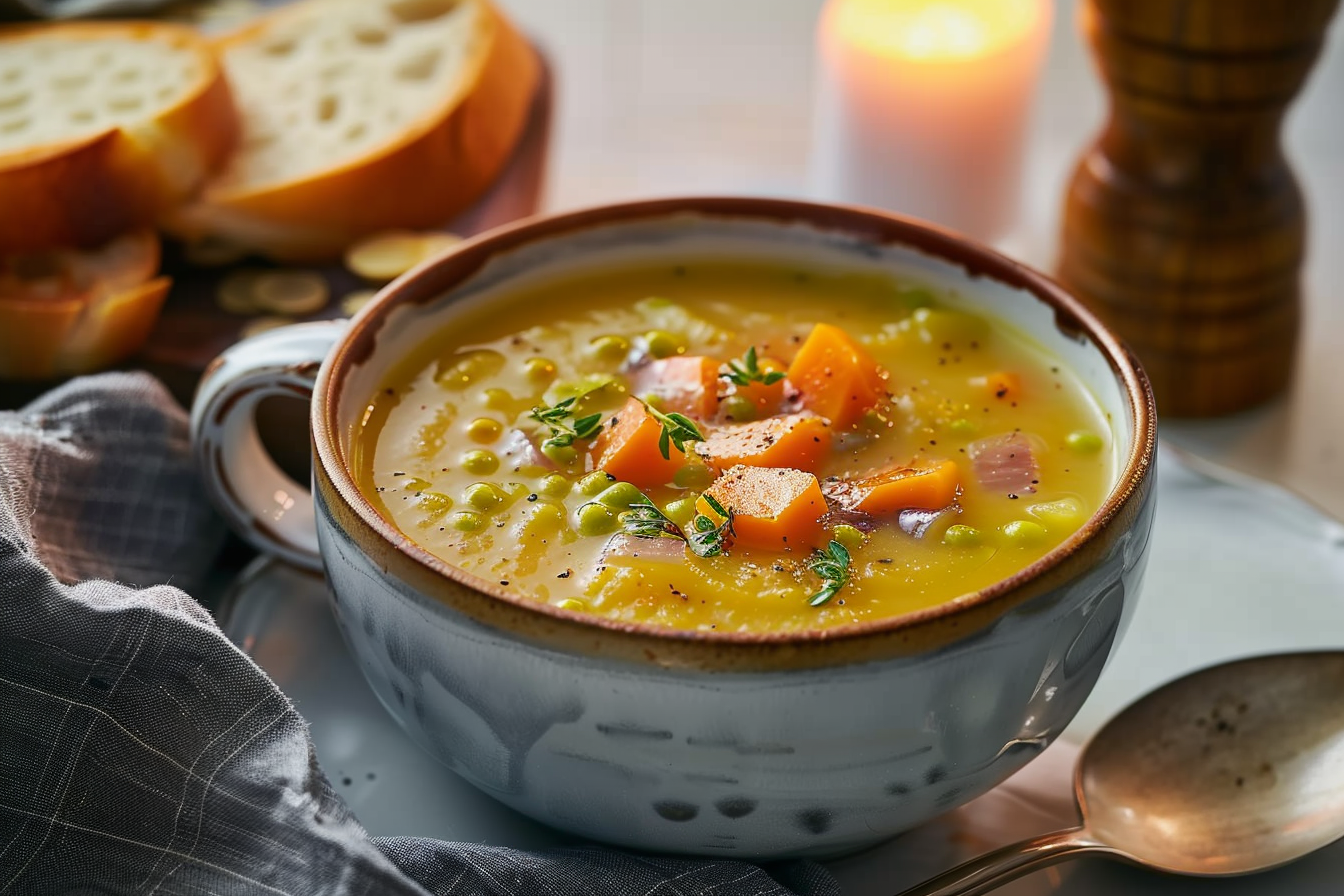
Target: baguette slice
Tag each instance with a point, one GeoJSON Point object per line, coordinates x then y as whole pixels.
{"type": "Point", "coordinates": [71, 311]}
{"type": "Point", "coordinates": [103, 127]}
{"type": "Point", "coordinates": [361, 116]}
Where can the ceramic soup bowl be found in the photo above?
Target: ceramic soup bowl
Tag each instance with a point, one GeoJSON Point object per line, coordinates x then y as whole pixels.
{"type": "Point", "coordinates": [764, 745]}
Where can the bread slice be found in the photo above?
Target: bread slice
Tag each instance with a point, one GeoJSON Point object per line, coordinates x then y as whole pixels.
{"type": "Point", "coordinates": [71, 311]}
{"type": "Point", "coordinates": [103, 127]}
{"type": "Point", "coordinates": [361, 116]}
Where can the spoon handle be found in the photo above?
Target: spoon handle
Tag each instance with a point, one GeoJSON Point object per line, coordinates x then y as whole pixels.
{"type": "Point", "coordinates": [993, 869]}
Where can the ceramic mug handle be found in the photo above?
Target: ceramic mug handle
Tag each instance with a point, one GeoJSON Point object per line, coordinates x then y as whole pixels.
{"type": "Point", "coordinates": [262, 504]}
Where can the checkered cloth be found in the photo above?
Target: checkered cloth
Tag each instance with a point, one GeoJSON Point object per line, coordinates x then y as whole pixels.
{"type": "Point", "coordinates": [141, 752]}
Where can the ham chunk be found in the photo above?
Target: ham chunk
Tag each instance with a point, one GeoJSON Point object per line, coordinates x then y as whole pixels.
{"type": "Point", "coordinates": [1005, 463]}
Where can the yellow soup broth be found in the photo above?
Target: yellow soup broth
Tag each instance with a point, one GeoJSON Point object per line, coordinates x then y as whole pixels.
{"type": "Point", "coordinates": [454, 448]}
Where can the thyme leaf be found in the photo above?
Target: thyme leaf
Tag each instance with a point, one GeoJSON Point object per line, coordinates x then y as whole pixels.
{"type": "Point", "coordinates": [832, 565]}
{"type": "Point", "coordinates": [748, 371]}
{"type": "Point", "coordinates": [678, 429]}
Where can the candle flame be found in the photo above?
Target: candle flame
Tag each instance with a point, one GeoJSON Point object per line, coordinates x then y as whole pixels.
{"type": "Point", "coordinates": [933, 30]}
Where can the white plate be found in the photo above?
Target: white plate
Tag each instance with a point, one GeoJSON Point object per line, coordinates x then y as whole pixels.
{"type": "Point", "coordinates": [1233, 572]}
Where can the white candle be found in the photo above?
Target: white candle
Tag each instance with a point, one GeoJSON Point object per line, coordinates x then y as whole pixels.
{"type": "Point", "coordinates": [922, 106]}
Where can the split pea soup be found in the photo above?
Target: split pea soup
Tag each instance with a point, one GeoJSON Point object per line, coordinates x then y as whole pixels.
{"type": "Point", "coordinates": [734, 447]}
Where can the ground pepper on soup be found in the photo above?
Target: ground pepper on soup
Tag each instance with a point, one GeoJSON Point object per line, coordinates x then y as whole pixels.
{"type": "Point", "coordinates": [734, 447]}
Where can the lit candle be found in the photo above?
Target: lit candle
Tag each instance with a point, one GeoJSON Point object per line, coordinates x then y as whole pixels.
{"type": "Point", "coordinates": [922, 106]}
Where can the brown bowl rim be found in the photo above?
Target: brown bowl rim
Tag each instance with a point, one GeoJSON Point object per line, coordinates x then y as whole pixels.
{"type": "Point", "coordinates": [425, 284]}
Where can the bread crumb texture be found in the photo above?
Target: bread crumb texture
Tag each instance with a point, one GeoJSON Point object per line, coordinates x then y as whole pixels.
{"type": "Point", "coordinates": [58, 88]}
{"type": "Point", "coordinates": [327, 85]}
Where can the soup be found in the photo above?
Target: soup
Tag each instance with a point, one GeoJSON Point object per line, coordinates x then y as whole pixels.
{"type": "Point", "coordinates": [734, 447]}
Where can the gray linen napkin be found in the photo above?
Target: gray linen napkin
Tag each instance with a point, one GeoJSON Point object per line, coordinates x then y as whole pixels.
{"type": "Point", "coordinates": [141, 752]}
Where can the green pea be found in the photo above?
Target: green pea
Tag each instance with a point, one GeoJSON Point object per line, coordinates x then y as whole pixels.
{"type": "Point", "coordinates": [561, 455]}
{"type": "Point", "coordinates": [738, 408]}
{"type": "Point", "coordinates": [554, 486]}
{"type": "Point", "coordinates": [959, 536]}
{"type": "Point", "coordinates": [696, 476]}
{"type": "Point", "coordinates": [540, 370]}
{"type": "Point", "coordinates": [415, 484]}
{"type": "Point", "coordinates": [939, 325]}
{"type": "Point", "coordinates": [484, 430]}
{"type": "Point", "coordinates": [681, 511]}
{"type": "Point", "coordinates": [621, 495]}
{"type": "Point", "coordinates": [963, 427]}
{"type": "Point", "coordinates": [544, 520]}
{"type": "Point", "coordinates": [1084, 442]}
{"type": "Point", "coordinates": [611, 349]}
{"type": "Point", "coordinates": [434, 506]}
{"type": "Point", "coordinates": [467, 521]}
{"type": "Point", "coordinates": [849, 536]}
{"type": "Point", "coordinates": [1024, 532]}
{"type": "Point", "coordinates": [480, 462]}
{"type": "Point", "coordinates": [462, 370]}
{"type": "Point", "coordinates": [1066, 513]}
{"type": "Point", "coordinates": [572, 603]}
{"type": "Point", "coordinates": [595, 483]}
{"type": "Point", "coordinates": [663, 344]}
{"type": "Point", "coordinates": [498, 399]}
{"type": "Point", "coordinates": [483, 496]}
{"type": "Point", "coordinates": [596, 519]}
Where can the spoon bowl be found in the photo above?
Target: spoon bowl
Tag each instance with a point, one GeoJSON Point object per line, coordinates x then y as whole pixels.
{"type": "Point", "coordinates": [1233, 769]}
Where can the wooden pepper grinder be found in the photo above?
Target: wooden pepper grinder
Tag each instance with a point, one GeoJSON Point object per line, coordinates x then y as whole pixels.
{"type": "Point", "coordinates": [1183, 226]}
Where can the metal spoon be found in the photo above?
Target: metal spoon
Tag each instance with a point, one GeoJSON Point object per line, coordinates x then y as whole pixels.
{"type": "Point", "coordinates": [1233, 769]}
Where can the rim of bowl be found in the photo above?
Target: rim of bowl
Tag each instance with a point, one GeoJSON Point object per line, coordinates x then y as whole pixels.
{"type": "Point", "coordinates": [428, 281]}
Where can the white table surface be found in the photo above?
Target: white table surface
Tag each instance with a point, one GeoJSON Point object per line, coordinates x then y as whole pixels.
{"type": "Point", "coordinates": [660, 97]}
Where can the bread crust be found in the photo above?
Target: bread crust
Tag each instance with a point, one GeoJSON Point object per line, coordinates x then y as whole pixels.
{"type": "Point", "coordinates": [434, 171]}
{"type": "Point", "coordinates": [85, 311]}
{"type": "Point", "coordinates": [85, 191]}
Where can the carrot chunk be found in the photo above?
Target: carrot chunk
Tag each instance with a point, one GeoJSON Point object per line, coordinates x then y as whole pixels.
{"type": "Point", "coordinates": [774, 509]}
{"type": "Point", "coordinates": [836, 377]}
{"type": "Point", "coordinates": [800, 441]}
{"type": "Point", "coordinates": [900, 488]}
{"type": "Point", "coordinates": [687, 384]}
{"type": "Point", "coordinates": [627, 448]}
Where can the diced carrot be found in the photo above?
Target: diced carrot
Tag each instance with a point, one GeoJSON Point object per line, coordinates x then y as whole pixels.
{"type": "Point", "coordinates": [800, 441]}
{"type": "Point", "coordinates": [687, 384]}
{"type": "Point", "coordinates": [836, 377]}
{"type": "Point", "coordinates": [627, 448]}
{"type": "Point", "coordinates": [900, 488]}
{"type": "Point", "coordinates": [1000, 384]}
{"type": "Point", "coordinates": [774, 509]}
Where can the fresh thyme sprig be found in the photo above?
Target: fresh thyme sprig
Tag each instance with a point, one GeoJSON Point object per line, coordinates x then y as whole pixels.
{"type": "Point", "coordinates": [562, 433]}
{"type": "Point", "coordinates": [832, 565]}
{"type": "Point", "coordinates": [645, 520]}
{"type": "Point", "coordinates": [748, 371]}
{"type": "Point", "coordinates": [678, 429]}
{"type": "Point", "coordinates": [708, 538]}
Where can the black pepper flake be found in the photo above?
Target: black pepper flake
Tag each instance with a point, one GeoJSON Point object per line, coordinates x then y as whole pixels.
{"type": "Point", "coordinates": [533, 496]}
{"type": "Point", "coordinates": [1012, 497]}
{"type": "Point", "coordinates": [885, 560]}
{"type": "Point", "coordinates": [390, 391]}
{"type": "Point", "coordinates": [566, 574]}
{"type": "Point", "coordinates": [400, 473]}
{"type": "Point", "coordinates": [999, 393]}
{"type": "Point", "coordinates": [933, 441]}
{"type": "Point", "coordinates": [503, 581]}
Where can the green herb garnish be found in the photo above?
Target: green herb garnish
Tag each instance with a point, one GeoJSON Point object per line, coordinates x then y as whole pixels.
{"type": "Point", "coordinates": [832, 565]}
{"type": "Point", "coordinates": [748, 371]}
{"type": "Point", "coordinates": [563, 434]}
{"type": "Point", "coordinates": [645, 520]}
{"type": "Point", "coordinates": [704, 537]}
{"type": "Point", "coordinates": [678, 429]}
{"type": "Point", "coordinates": [709, 538]}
